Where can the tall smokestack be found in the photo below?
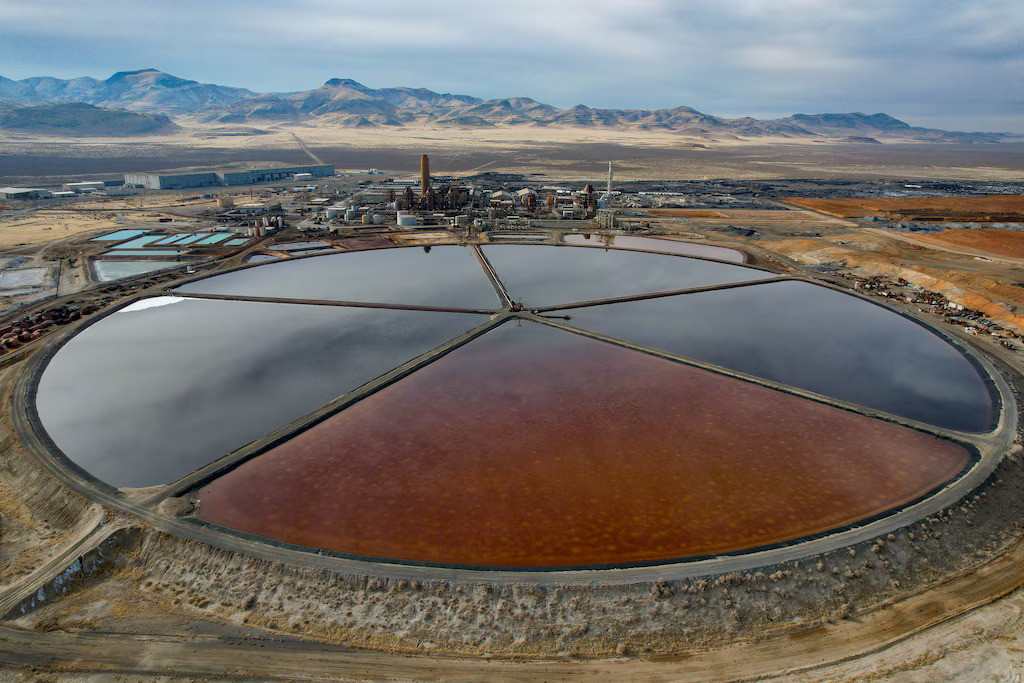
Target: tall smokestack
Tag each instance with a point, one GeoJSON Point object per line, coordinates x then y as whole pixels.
{"type": "Point", "coordinates": [608, 193]}
{"type": "Point", "coordinates": [424, 176]}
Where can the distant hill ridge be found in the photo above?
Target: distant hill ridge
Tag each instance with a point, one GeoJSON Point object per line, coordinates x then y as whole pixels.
{"type": "Point", "coordinates": [79, 119]}
{"type": "Point", "coordinates": [345, 102]}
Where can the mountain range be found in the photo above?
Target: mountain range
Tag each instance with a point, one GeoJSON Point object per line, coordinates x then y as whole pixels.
{"type": "Point", "coordinates": [347, 103]}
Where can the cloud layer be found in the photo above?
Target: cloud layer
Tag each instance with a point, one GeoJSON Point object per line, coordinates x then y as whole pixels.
{"type": "Point", "coordinates": [946, 63]}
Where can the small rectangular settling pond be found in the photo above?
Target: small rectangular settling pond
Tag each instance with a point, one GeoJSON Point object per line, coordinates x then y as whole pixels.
{"type": "Point", "coordinates": [119, 235]}
{"type": "Point", "coordinates": [143, 252]}
{"type": "Point", "coordinates": [192, 239]}
{"type": "Point", "coordinates": [169, 240]}
{"type": "Point", "coordinates": [215, 238]}
{"type": "Point", "coordinates": [115, 270]}
{"type": "Point", "coordinates": [139, 242]}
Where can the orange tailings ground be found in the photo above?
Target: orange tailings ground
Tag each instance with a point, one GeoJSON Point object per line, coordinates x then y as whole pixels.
{"type": "Point", "coordinates": [536, 447]}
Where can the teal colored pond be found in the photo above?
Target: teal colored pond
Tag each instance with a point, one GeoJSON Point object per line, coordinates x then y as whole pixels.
{"type": "Point", "coordinates": [213, 239]}
{"type": "Point", "coordinates": [192, 239]}
{"type": "Point", "coordinates": [143, 252]}
{"type": "Point", "coordinates": [139, 242]}
{"type": "Point", "coordinates": [117, 236]}
{"type": "Point", "coordinates": [170, 240]}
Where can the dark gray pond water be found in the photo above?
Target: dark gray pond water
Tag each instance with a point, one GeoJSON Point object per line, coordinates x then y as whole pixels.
{"type": "Point", "coordinates": [115, 270]}
{"type": "Point", "coordinates": [144, 397]}
{"type": "Point", "coordinates": [540, 275]}
{"type": "Point", "coordinates": [656, 244]}
{"type": "Point", "coordinates": [446, 276]}
{"type": "Point", "coordinates": [813, 338]}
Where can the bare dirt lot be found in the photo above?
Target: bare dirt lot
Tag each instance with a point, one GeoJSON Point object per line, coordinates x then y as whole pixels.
{"type": "Point", "coordinates": [987, 209]}
{"type": "Point", "coordinates": [998, 242]}
{"type": "Point", "coordinates": [45, 226]}
{"type": "Point", "coordinates": [686, 213]}
{"type": "Point", "coordinates": [766, 220]}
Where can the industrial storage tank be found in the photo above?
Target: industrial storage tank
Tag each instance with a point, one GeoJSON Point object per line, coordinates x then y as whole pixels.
{"type": "Point", "coordinates": [367, 219]}
{"type": "Point", "coordinates": [462, 221]}
{"type": "Point", "coordinates": [407, 221]}
{"type": "Point", "coordinates": [377, 219]}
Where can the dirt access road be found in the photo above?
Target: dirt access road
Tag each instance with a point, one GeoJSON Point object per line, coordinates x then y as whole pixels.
{"type": "Point", "coordinates": [949, 619]}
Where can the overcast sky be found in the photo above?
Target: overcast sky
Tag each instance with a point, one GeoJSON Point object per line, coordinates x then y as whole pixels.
{"type": "Point", "coordinates": [955, 64]}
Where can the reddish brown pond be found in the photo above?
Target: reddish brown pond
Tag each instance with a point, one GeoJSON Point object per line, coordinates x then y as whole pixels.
{"type": "Point", "coordinates": [535, 447]}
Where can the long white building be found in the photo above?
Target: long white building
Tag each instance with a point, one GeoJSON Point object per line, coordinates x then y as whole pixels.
{"type": "Point", "coordinates": [178, 181]}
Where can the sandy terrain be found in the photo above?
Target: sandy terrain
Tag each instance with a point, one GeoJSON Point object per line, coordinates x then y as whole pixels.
{"type": "Point", "coordinates": [154, 201]}
{"type": "Point", "coordinates": [39, 226]}
{"type": "Point", "coordinates": [982, 644]}
{"type": "Point", "coordinates": [46, 226]}
{"type": "Point", "coordinates": [551, 152]}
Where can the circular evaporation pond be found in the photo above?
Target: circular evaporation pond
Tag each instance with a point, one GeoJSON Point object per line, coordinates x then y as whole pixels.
{"type": "Point", "coordinates": [397, 404]}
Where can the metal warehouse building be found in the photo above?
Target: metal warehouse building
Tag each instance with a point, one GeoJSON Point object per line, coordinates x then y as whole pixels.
{"type": "Point", "coordinates": [177, 181]}
{"type": "Point", "coordinates": [24, 193]}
